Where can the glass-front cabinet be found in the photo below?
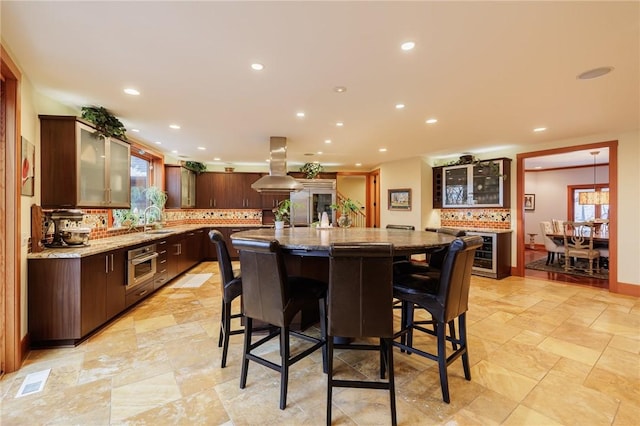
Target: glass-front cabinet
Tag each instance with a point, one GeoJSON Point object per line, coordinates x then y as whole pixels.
{"type": "Point", "coordinates": [81, 169]}
{"type": "Point", "coordinates": [481, 184]}
{"type": "Point", "coordinates": [103, 166]}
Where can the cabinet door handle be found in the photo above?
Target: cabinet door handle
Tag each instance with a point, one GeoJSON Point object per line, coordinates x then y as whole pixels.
{"type": "Point", "coordinates": [142, 293]}
{"type": "Point", "coordinates": [111, 262]}
{"type": "Point", "coordinates": [210, 202]}
{"type": "Point", "coordinates": [106, 264]}
{"type": "Point", "coordinates": [214, 202]}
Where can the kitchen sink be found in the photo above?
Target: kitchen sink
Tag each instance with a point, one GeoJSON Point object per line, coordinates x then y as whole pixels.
{"type": "Point", "coordinates": [158, 231]}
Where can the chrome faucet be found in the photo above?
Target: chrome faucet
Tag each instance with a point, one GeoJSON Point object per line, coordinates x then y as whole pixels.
{"type": "Point", "coordinates": [144, 216]}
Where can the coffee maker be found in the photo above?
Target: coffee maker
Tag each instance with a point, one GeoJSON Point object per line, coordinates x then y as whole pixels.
{"type": "Point", "coordinates": [57, 217]}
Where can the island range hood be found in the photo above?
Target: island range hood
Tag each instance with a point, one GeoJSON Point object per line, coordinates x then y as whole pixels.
{"type": "Point", "coordinates": [277, 180]}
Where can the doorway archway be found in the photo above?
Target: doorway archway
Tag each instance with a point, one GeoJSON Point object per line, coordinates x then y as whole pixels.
{"type": "Point", "coordinates": [613, 204]}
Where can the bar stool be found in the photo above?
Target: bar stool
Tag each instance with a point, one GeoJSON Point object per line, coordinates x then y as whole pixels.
{"type": "Point", "coordinates": [360, 305]}
{"type": "Point", "coordinates": [446, 299]}
{"type": "Point", "coordinates": [271, 296]}
{"type": "Point", "coordinates": [231, 288]}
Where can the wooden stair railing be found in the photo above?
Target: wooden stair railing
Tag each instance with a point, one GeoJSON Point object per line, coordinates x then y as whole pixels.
{"type": "Point", "coordinates": [358, 218]}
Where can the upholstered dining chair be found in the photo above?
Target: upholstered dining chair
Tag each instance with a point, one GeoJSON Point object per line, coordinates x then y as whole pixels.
{"type": "Point", "coordinates": [550, 245]}
{"type": "Point", "coordinates": [231, 286]}
{"type": "Point", "coordinates": [272, 296]}
{"type": "Point", "coordinates": [578, 243]}
{"type": "Point", "coordinates": [446, 299]}
{"type": "Point", "coordinates": [360, 306]}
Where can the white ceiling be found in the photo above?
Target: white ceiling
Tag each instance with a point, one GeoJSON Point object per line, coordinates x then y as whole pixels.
{"type": "Point", "coordinates": [488, 71]}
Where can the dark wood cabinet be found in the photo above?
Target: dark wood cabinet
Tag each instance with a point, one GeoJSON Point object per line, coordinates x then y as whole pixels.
{"type": "Point", "coordinates": [483, 184]}
{"type": "Point", "coordinates": [181, 187]}
{"type": "Point", "coordinates": [493, 259]}
{"type": "Point", "coordinates": [227, 191]}
{"type": "Point", "coordinates": [437, 187]}
{"type": "Point", "coordinates": [69, 298]}
{"type": "Point", "coordinates": [81, 169]}
{"type": "Point", "coordinates": [270, 200]}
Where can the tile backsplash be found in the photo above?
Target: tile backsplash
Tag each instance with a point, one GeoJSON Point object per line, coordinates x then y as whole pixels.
{"type": "Point", "coordinates": [476, 218]}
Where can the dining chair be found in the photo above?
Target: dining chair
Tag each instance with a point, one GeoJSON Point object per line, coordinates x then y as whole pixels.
{"type": "Point", "coordinates": [360, 303]}
{"type": "Point", "coordinates": [446, 299]}
{"type": "Point", "coordinates": [270, 295]}
{"type": "Point", "coordinates": [550, 245]}
{"type": "Point", "coordinates": [231, 286]}
{"type": "Point", "coordinates": [578, 242]}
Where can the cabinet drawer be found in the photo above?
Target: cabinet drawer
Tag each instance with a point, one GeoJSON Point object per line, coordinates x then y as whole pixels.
{"type": "Point", "coordinates": [160, 279]}
{"type": "Point", "coordinates": [138, 293]}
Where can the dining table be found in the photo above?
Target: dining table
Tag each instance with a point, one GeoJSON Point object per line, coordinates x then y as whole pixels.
{"type": "Point", "coordinates": [600, 238]}
{"type": "Point", "coordinates": [306, 249]}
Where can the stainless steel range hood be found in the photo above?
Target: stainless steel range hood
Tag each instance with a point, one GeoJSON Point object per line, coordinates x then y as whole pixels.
{"type": "Point", "coordinates": [277, 180]}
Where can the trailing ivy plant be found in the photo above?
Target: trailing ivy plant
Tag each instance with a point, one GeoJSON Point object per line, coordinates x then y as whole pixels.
{"type": "Point", "coordinates": [195, 166]}
{"type": "Point", "coordinates": [107, 124]}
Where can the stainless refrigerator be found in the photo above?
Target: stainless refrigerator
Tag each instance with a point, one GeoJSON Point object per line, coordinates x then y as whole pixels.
{"type": "Point", "coordinates": [316, 197]}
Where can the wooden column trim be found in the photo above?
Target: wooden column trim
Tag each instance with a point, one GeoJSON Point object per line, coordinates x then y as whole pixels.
{"type": "Point", "coordinates": [10, 228]}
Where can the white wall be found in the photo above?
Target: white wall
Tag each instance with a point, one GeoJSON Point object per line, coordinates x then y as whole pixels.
{"type": "Point", "coordinates": [399, 175]}
{"type": "Point", "coordinates": [550, 189]}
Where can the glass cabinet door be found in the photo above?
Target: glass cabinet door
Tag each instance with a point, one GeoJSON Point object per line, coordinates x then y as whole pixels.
{"type": "Point", "coordinates": [92, 164]}
{"type": "Point", "coordinates": [487, 184]}
{"type": "Point", "coordinates": [456, 186]}
{"type": "Point", "coordinates": [119, 170]}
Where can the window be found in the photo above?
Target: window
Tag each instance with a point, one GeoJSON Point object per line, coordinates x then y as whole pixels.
{"type": "Point", "coordinates": [583, 213]}
{"type": "Point", "coordinates": [140, 181]}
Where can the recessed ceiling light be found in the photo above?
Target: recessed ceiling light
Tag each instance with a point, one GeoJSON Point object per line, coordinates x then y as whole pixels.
{"type": "Point", "coordinates": [339, 89]}
{"type": "Point", "coordinates": [319, 152]}
{"type": "Point", "coordinates": [158, 143]}
{"type": "Point", "coordinates": [257, 67]}
{"type": "Point", "coordinates": [216, 158]}
{"type": "Point", "coordinates": [399, 106]}
{"type": "Point", "coordinates": [135, 130]}
{"type": "Point", "coordinates": [175, 151]}
{"type": "Point", "coordinates": [407, 45]}
{"type": "Point", "coordinates": [131, 91]}
{"type": "Point", "coordinates": [539, 129]}
{"type": "Point", "coordinates": [327, 141]}
{"type": "Point", "coordinates": [358, 164]}
{"type": "Point", "coordinates": [594, 73]}
{"type": "Point", "coordinates": [383, 150]}
{"type": "Point", "coordinates": [174, 126]}
{"type": "Point", "coordinates": [431, 121]}
{"type": "Point", "coordinates": [339, 124]}
{"type": "Point", "coordinates": [202, 148]}
{"type": "Point", "coordinates": [538, 167]}
{"type": "Point", "coordinates": [300, 114]}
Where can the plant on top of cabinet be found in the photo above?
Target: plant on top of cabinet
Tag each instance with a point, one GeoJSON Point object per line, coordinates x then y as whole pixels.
{"type": "Point", "coordinates": [311, 170]}
{"type": "Point", "coordinates": [195, 166]}
{"type": "Point", "coordinates": [107, 125]}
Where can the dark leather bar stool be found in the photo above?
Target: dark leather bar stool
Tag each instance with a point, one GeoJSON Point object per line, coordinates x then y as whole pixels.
{"type": "Point", "coordinates": [271, 296]}
{"type": "Point", "coordinates": [231, 286]}
{"type": "Point", "coordinates": [446, 299]}
{"type": "Point", "coordinates": [360, 305]}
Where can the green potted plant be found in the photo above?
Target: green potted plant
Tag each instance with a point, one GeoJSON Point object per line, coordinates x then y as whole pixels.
{"type": "Point", "coordinates": [195, 166]}
{"type": "Point", "coordinates": [125, 218]}
{"type": "Point", "coordinates": [155, 197]}
{"type": "Point", "coordinates": [282, 212]}
{"type": "Point", "coordinates": [346, 206]}
{"type": "Point", "coordinates": [107, 124]}
{"type": "Point", "coordinates": [311, 170]}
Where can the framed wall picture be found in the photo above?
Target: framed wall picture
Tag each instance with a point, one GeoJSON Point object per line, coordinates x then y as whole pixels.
{"type": "Point", "coordinates": [400, 199]}
{"type": "Point", "coordinates": [529, 201]}
{"type": "Point", "coordinates": [28, 167]}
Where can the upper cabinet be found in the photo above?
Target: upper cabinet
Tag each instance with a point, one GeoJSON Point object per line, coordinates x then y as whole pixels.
{"type": "Point", "coordinates": [228, 191]}
{"type": "Point", "coordinates": [180, 184]}
{"type": "Point", "coordinates": [80, 168]}
{"type": "Point", "coordinates": [482, 184]}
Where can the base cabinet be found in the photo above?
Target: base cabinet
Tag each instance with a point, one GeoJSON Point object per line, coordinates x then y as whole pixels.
{"type": "Point", "coordinates": [70, 298]}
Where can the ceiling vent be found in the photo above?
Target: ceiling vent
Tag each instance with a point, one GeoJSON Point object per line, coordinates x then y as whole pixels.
{"type": "Point", "coordinates": [277, 180]}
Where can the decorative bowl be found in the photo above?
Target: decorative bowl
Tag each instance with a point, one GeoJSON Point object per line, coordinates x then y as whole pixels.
{"type": "Point", "coordinates": [76, 236]}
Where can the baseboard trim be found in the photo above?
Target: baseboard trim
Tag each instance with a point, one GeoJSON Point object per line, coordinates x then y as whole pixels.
{"type": "Point", "coordinates": [626, 289]}
{"type": "Point", "coordinates": [24, 347]}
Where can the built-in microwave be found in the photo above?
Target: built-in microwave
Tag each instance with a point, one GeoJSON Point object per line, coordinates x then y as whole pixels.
{"type": "Point", "coordinates": [141, 265]}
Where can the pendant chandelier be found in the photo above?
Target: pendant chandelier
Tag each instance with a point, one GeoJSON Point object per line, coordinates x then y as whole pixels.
{"type": "Point", "coordinates": [596, 197]}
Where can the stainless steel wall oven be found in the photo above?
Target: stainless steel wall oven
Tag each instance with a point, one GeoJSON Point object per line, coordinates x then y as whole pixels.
{"type": "Point", "coordinates": [141, 265]}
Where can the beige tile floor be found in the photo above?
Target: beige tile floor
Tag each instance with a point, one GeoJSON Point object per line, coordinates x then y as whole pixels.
{"type": "Point", "coordinates": [542, 353]}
